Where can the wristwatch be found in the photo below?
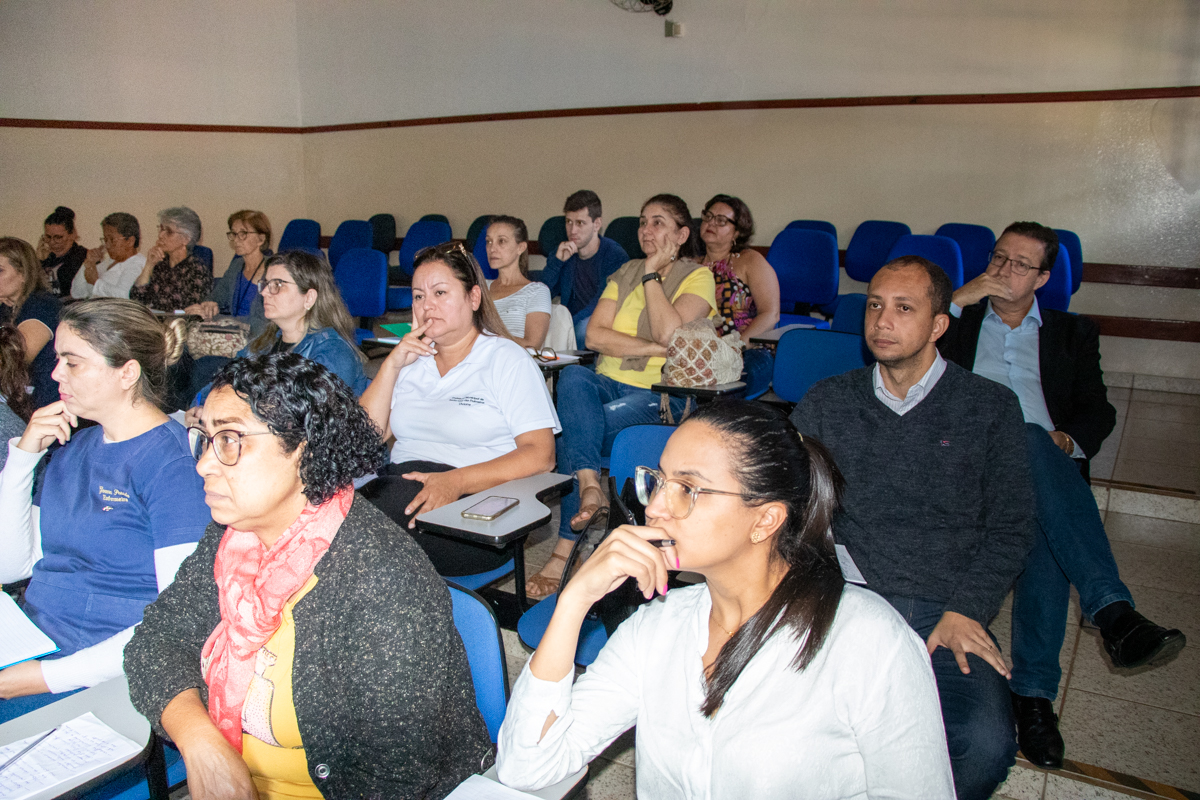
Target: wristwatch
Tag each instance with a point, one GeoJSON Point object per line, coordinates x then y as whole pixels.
{"type": "Point", "coordinates": [653, 276]}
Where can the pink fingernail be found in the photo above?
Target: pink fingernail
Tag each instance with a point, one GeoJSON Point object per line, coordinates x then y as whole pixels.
{"type": "Point", "coordinates": [676, 562]}
{"type": "Point", "coordinates": [664, 590]}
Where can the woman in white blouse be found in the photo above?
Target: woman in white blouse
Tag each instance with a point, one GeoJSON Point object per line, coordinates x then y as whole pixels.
{"type": "Point", "coordinates": [773, 679]}
{"type": "Point", "coordinates": [467, 405]}
{"type": "Point", "coordinates": [524, 305]}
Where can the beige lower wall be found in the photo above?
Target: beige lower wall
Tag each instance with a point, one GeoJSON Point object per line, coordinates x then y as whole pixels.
{"type": "Point", "coordinates": [1115, 172]}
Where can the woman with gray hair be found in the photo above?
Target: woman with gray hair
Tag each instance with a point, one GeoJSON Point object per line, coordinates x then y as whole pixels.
{"type": "Point", "coordinates": [173, 277]}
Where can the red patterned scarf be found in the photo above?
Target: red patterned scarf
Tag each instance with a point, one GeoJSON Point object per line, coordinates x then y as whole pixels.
{"type": "Point", "coordinates": [254, 584]}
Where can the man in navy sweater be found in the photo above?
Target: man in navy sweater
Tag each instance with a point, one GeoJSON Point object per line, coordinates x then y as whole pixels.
{"type": "Point", "coordinates": [1051, 359]}
{"type": "Point", "coordinates": [938, 509]}
{"type": "Point", "coordinates": [578, 271]}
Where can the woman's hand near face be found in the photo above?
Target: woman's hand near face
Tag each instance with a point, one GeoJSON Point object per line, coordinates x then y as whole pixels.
{"type": "Point", "coordinates": [412, 347]}
{"type": "Point", "coordinates": [43, 248]}
{"type": "Point", "coordinates": [153, 256]}
{"type": "Point", "coordinates": [48, 424]}
{"type": "Point", "coordinates": [626, 553]}
{"type": "Point", "coordinates": [441, 488]}
{"type": "Point", "coordinates": [661, 258]}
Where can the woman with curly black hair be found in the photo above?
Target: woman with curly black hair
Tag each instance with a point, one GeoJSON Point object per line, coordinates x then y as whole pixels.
{"type": "Point", "coordinates": [307, 648]}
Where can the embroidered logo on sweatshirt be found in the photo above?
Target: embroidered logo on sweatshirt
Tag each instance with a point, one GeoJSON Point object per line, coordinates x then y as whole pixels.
{"type": "Point", "coordinates": [944, 442]}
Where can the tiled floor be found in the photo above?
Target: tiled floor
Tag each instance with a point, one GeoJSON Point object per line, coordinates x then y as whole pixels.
{"type": "Point", "coordinates": [1156, 442]}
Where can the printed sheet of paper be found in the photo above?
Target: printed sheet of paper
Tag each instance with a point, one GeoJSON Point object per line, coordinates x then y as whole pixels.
{"type": "Point", "coordinates": [78, 751]}
{"type": "Point", "coordinates": [478, 787]}
{"type": "Point", "coordinates": [849, 569]}
{"type": "Point", "coordinates": [20, 639]}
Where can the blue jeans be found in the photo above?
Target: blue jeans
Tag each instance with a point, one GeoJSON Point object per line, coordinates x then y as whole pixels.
{"type": "Point", "coordinates": [758, 367]}
{"type": "Point", "coordinates": [593, 409]}
{"type": "Point", "coordinates": [1070, 547]}
{"type": "Point", "coordinates": [581, 331]}
{"type": "Point", "coordinates": [976, 709]}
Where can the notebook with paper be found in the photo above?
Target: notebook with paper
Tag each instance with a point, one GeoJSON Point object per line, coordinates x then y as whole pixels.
{"type": "Point", "coordinates": [75, 752]}
{"type": "Point", "coordinates": [20, 639]}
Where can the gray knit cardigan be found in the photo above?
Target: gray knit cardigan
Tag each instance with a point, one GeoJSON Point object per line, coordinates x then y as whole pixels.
{"type": "Point", "coordinates": [382, 689]}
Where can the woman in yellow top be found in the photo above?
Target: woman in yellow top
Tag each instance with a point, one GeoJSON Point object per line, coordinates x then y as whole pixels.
{"type": "Point", "coordinates": [642, 305]}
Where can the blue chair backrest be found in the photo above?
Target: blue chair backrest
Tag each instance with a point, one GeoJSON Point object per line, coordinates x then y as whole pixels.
{"type": "Point", "coordinates": [1070, 240]}
{"type": "Point", "coordinates": [477, 229]}
{"type": "Point", "coordinates": [361, 277]}
{"type": "Point", "coordinates": [480, 633]}
{"type": "Point", "coordinates": [480, 253]}
{"type": "Point", "coordinates": [552, 233]}
{"type": "Point", "coordinates": [637, 446]}
{"type": "Point", "coordinates": [300, 233]}
{"type": "Point", "coordinates": [426, 233]}
{"type": "Point", "coordinates": [806, 355]}
{"type": "Point", "coordinates": [1056, 292]}
{"type": "Point", "coordinates": [624, 231]}
{"type": "Point", "coordinates": [813, 225]}
{"type": "Point", "coordinates": [869, 246]}
{"type": "Point", "coordinates": [941, 250]}
{"type": "Point", "coordinates": [435, 218]}
{"type": "Point", "coordinates": [976, 243]}
{"type": "Point", "coordinates": [350, 234]}
{"type": "Point", "coordinates": [848, 318]}
{"type": "Point", "coordinates": [204, 255]}
{"type": "Point", "coordinates": [383, 232]}
{"type": "Point", "coordinates": [806, 263]}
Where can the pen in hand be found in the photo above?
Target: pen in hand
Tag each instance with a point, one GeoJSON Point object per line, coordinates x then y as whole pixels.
{"type": "Point", "coordinates": [661, 543]}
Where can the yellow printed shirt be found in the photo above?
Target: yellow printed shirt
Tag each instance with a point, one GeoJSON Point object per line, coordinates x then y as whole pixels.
{"type": "Point", "coordinates": [700, 283]}
{"type": "Point", "coordinates": [271, 744]}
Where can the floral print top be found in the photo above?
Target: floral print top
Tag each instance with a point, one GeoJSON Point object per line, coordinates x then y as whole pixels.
{"type": "Point", "coordinates": [174, 288]}
{"type": "Point", "coordinates": [735, 304]}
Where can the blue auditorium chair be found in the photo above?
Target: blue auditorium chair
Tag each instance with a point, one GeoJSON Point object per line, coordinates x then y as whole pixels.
{"type": "Point", "coordinates": [806, 263]}
{"type": "Point", "coordinates": [435, 218]}
{"type": "Point", "coordinates": [300, 233]}
{"type": "Point", "coordinates": [869, 246]}
{"type": "Point", "coordinates": [204, 255]}
{"type": "Point", "coordinates": [941, 250]}
{"type": "Point", "coordinates": [476, 230]}
{"type": "Point", "coordinates": [976, 243]}
{"type": "Point", "coordinates": [813, 225]}
{"type": "Point", "coordinates": [383, 232]}
{"type": "Point", "coordinates": [422, 234]}
{"type": "Point", "coordinates": [1070, 240]}
{"type": "Point", "coordinates": [624, 231]}
{"type": "Point", "coordinates": [361, 277]}
{"type": "Point", "coordinates": [480, 633]}
{"type": "Point", "coordinates": [552, 233]}
{"type": "Point", "coordinates": [480, 253]}
{"type": "Point", "coordinates": [851, 310]}
{"type": "Point", "coordinates": [1056, 292]}
{"type": "Point", "coordinates": [351, 234]}
{"type": "Point", "coordinates": [805, 356]}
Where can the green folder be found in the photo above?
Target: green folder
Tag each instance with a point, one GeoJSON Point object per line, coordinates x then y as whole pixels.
{"type": "Point", "coordinates": [398, 328]}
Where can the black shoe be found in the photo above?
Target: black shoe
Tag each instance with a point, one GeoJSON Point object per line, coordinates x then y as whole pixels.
{"type": "Point", "coordinates": [1037, 731]}
{"type": "Point", "coordinates": [1134, 641]}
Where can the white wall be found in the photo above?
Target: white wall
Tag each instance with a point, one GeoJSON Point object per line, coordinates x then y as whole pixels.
{"type": "Point", "coordinates": [375, 60]}
{"type": "Point", "coordinates": [212, 62]}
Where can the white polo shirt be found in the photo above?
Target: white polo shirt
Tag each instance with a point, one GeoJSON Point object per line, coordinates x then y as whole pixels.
{"type": "Point", "coordinates": [473, 413]}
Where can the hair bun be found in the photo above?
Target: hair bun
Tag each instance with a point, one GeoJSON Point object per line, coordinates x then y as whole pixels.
{"type": "Point", "coordinates": [65, 212]}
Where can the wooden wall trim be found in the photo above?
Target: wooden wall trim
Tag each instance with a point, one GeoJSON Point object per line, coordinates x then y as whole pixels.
{"type": "Point", "coordinates": [1150, 93]}
{"type": "Point", "coordinates": [1137, 275]}
{"type": "Point", "coordinates": [1172, 330]}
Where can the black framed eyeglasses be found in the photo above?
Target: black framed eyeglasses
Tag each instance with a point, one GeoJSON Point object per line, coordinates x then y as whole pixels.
{"type": "Point", "coordinates": [998, 260]}
{"type": "Point", "coordinates": [720, 220]}
{"type": "Point", "coordinates": [680, 498]}
{"type": "Point", "coordinates": [227, 445]}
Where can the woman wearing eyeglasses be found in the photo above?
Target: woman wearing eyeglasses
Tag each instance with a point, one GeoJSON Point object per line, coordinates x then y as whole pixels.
{"type": "Point", "coordinates": [173, 277]}
{"type": "Point", "coordinates": [307, 648]}
{"type": "Point", "coordinates": [468, 407]}
{"type": "Point", "coordinates": [120, 505]}
{"type": "Point", "coordinates": [747, 287]}
{"type": "Point", "coordinates": [305, 315]}
{"type": "Point", "coordinates": [59, 250]}
{"type": "Point", "coordinates": [773, 678]}
{"type": "Point", "coordinates": [235, 294]}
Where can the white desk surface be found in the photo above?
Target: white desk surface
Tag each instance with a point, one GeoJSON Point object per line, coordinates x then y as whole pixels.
{"type": "Point", "coordinates": [529, 514]}
{"type": "Point", "coordinates": [553, 791]}
{"type": "Point", "coordinates": [109, 702]}
{"type": "Point", "coordinates": [774, 334]}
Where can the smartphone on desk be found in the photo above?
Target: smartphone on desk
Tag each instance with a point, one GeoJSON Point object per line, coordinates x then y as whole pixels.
{"type": "Point", "coordinates": [489, 508]}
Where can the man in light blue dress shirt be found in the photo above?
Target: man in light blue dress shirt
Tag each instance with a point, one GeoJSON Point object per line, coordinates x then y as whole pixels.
{"type": "Point", "coordinates": [1051, 360]}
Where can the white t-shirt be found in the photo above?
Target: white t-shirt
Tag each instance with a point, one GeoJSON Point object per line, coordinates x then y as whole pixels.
{"type": "Point", "coordinates": [114, 280]}
{"type": "Point", "coordinates": [531, 298]}
{"type": "Point", "coordinates": [862, 720]}
{"type": "Point", "coordinates": [475, 412]}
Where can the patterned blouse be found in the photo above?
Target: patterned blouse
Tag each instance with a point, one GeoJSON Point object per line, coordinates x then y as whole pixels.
{"type": "Point", "coordinates": [174, 288]}
{"type": "Point", "coordinates": [735, 304]}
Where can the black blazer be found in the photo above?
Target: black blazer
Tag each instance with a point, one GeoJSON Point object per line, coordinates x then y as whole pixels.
{"type": "Point", "coordinates": [1069, 359]}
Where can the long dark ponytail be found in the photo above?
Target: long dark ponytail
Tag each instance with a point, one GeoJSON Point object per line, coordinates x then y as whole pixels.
{"type": "Point", "coordinates": [774, 464]}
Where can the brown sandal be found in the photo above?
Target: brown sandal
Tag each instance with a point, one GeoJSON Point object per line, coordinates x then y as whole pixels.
{"type": "Point", "coordinates": [582, 524]}
{"type": "Point", "coordinates": [540, 586]}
